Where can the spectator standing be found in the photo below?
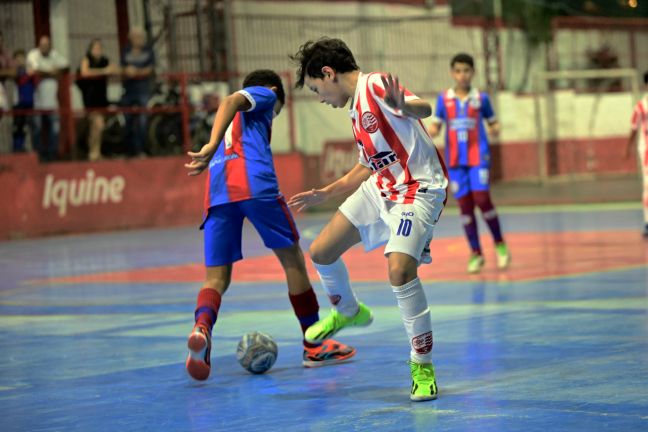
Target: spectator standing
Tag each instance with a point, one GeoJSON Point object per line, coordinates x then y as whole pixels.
{"type": "Point", "coordinates": [6, 71]}
{"type": "Point", "coordinates": [93, 82]}
{"type": "Point", "coordinates": [47, 65]}
{"type": "Point", "coordinates": [25, 84]}
{"type": "Point", "coordinates": [138, 63]}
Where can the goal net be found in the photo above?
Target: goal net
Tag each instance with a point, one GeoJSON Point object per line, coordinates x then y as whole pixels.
{"type": "Point", "coordinates": [582, 120]}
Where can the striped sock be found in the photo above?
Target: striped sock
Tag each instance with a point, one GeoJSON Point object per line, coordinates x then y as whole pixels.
{"type": "Point", "coordinates": [307, 311]}
{"type": "Point", "coordinates": [207, 306]}
{"type": "Point", "coordinates": [467, 208]}
{"type": "Point", "coordinates": [483, 201]}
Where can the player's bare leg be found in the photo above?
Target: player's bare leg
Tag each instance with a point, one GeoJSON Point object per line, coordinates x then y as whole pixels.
{"type": "Point", "coordinates": [294, 265]}
{"type": "Point", "coordinates": [416, 318]}
{"type": "Point", "coordinates": [207, 305]}
{"type": "Point", "coordinates": [335, 239]}
{"type": "Point", "coordinates": [338, 236]}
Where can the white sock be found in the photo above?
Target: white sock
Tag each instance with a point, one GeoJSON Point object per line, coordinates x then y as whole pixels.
{"type": "Point", "coordinates": [416, 317]}
{"type": "Point", "coordinates": [335, 280]}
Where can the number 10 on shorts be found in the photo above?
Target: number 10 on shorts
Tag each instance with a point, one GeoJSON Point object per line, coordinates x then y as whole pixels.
{"type": "Point", "coordinates": [404, 228]}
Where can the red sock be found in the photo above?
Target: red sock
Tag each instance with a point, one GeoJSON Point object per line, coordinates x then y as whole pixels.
{"type": "Point", "coordinates": [467, 209]}
{"type": "Point", "coordinates": [207, 306]}
{"type": "Point", "coordinates": [483, 201]}
{"type": "Point", "coordinates": [306, 309]}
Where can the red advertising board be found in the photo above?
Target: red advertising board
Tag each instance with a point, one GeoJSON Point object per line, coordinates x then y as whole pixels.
{"type": "Point", "coordinates": [69, 197]}
{"type": "Point", "coordinates": [337, 159]}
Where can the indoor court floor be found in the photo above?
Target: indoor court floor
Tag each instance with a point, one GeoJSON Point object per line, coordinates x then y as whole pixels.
{"type": "Point", "coordinates": [93, 334]}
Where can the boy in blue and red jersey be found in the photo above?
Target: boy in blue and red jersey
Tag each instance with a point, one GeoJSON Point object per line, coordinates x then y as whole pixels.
{"type": "Point", "coordinates": [242, 183]}
{"type": "Point", "coordinates": [464, 109]}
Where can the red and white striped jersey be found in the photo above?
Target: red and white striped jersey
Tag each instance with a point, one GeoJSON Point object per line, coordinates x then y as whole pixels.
{"type": "Point", "coordinates": [397, 148]}
{"type": "Point", "coordinates": [640, 123]}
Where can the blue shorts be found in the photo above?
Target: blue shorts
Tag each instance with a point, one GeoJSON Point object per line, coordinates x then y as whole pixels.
{"type": "Point", "coordinates": [223, 228]}
{"type": "Point", "coordinates": [464, 180]}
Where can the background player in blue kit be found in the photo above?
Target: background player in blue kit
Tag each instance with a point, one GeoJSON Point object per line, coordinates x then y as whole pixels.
{"type": "Point", "coordinates": [463, 110]}
{"type": "Point", "coordinates": [241, 184]}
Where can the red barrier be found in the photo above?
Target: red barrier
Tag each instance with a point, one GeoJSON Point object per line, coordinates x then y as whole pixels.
{"type": "Point", "coordinates": [179, 81]}
{"type": "Point", "coordinates": [69, 197]}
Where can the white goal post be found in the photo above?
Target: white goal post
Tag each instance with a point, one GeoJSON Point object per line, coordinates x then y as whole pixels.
{"type": "Point", "coordinates": [546, 114]}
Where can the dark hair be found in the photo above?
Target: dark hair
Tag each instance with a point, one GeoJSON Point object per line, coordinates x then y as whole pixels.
{"type": "Point", "coordinates": [19, 52]}
{"type": "Point", "coordinates": [92, 42]}
{"type": "Point", "coordinates": [266, 77]}
{"type": "Point", "coordinates": [463, 58]}
{"type": "Point", "coordinates": [313, 56]}
{"type": "Point", "coordinates": [646, 77]}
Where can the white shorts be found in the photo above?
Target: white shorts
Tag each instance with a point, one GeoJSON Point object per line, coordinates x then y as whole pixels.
{"type": "Point", "coordinates": [405, 228]}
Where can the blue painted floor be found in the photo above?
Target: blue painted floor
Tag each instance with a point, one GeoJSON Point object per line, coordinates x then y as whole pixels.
{"type": "Point", "coordinates": [560, 354]}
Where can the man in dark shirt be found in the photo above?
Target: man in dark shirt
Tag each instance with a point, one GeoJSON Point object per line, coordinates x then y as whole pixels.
{"type": "Point", "coordinates": [25, 84]}
{"type": "Point", "coordinates": [138, 62]}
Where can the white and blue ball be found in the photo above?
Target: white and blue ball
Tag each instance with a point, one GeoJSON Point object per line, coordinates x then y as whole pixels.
{"type": "Point", "coordinates": [257, 352]}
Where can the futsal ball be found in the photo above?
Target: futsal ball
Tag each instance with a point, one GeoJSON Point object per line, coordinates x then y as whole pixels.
{"type": "Point", "coordinates": [257, 352]}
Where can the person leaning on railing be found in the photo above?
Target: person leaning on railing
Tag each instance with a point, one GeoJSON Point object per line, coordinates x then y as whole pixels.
{"type": "Point", "coordinates": [25, 86]}
{"type": "Point", "coordinates": [93, 82]}
{"type": "Point", "coordinates": [47, 65]}
{"type": "Point", "coordinates": [6, 71]}
{"type": "Point", "coordinates": [137, 62]}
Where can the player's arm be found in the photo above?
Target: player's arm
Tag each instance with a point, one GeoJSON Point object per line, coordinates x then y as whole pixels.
{"type": "Point", "coordinates": [395, 99]}
{"type": "Point", "coordinates": [435, 129]}
{"type": "Point", "coordinates": [439, 117]}
{"type": "Point", "coordinates": [634, 127]}
{"type": "Point", "coordinates": [488, 114]}
{"type": "Point", "coordinates": [632, 139]}
{"type": "Point", "coordinates": [493, 128]}
{"type": "Point", "coordinates": [224, 116]}
{"type": "Point", "coordinates": [350, 181]}
{"type": "Point", "coordinates": [417, 108]}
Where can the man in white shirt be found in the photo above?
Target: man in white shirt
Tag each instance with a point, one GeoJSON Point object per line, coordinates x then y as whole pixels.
{"type": "Point", "coordinates": [47, 64]}
{"type": "Point", "coordinates": [6, 71]}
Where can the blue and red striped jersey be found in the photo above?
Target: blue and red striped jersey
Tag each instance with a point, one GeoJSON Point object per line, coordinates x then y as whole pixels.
{"type": "Point", "coordinates": [465, 134]}
{"type": "Point", "coordinates": [242, 167]}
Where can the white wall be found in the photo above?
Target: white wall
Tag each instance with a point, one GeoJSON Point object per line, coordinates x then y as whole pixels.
{"type": "Point", "coordinates": [576, 115]}
{"type": "Point", "coordinates": [417, 49]}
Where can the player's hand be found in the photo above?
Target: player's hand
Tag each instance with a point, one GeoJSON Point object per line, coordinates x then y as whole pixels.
{"type": "Point", "coordinates": [200, 160]}
{"type": "Point", "coordinates": [493, 133]}
{"type": "Point", "coordinates": [307, 199]}
{"type": "Point", "coordinates": [394, 94]}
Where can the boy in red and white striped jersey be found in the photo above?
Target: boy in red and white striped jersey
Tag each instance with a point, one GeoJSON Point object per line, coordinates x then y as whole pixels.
{"type": "Point", "coordinates": [639, 134]}
{"type": "Point", "coordinates": [400, 190]}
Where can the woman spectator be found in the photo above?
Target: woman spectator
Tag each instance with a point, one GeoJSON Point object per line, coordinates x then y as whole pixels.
{"type": "Point", "coordinates": [93, 82]}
